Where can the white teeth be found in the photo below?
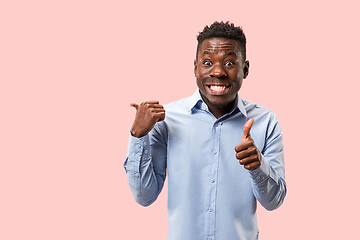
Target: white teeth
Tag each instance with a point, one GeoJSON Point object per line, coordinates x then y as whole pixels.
{"type": "Point", "coordinates": [217, 88]}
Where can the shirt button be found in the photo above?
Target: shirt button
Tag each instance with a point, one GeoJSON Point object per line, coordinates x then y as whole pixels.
{"type": "Point", "coordinates": [210, 209]}
{"type": "Point", "coordinates": [212, 180]}
{"type": "Point", "coordinates": [146, 151]}
{"type": "Point", "coordinates": [214, 152]}
{"type": "Point", "coordinates": [139, 146]}
{"type": "Point", "coordinates": [137, 175]}
{"type": "Point", "coordinates": [258, 177]}
{"type": "Point", "coordinates": [262, 191]}
{"type": "Point", "coordinates": [145, 143]}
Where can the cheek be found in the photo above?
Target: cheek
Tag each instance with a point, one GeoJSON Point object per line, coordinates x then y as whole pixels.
{"type": "Point", "coordinates": [238, 77]}
{"type": "Point", "coordinates": [199, 83]}
{"type": "Point", "coordinates": [238, 74]}
{"type": "Point", "coordinates": [202, 72]}
{"type": "Point", "coordinates": [238, 85]}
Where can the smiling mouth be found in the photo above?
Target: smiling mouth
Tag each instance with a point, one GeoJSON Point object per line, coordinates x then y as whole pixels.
{"type": "Point", "coordinates": [218, 89]}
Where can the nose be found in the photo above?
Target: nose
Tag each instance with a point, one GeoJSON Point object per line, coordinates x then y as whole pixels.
{"type": "Point", "coordinates": [218, 71]}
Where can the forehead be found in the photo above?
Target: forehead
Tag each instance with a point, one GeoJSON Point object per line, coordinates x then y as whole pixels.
{"type": "Point", "coordinates": [218, 45]}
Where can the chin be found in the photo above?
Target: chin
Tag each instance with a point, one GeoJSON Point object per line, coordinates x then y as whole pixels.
{"type": "Point", "coordinates": [219, 103]}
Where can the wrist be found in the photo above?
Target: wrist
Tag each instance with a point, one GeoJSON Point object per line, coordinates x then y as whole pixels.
{"type": "Point", "coordinates": [136, 133]}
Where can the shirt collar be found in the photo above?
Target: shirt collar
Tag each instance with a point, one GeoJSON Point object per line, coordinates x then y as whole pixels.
{"type": "Point", "coordinates": [196, 100]}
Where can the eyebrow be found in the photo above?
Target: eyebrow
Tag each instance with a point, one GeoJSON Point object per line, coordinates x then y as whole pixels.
{"type": "Point", "coordinates": [231, 54]}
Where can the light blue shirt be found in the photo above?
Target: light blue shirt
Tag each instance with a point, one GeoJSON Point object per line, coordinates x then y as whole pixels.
{"type": "Point", "coordinates": [210, 195]}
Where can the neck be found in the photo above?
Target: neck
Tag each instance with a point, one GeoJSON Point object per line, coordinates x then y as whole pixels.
{"type": "Point", "coordinates": [220, 110]}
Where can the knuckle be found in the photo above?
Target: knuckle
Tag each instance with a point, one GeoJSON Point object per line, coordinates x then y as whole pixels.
{"type": "Point", "coordinates": [246, 144]}
{"type": "Point", "coordinates": [249, 160]}
{"type": "Point", "coordinates": [253, 150]}
{"type": "Point", "coordinates": [248, 152]}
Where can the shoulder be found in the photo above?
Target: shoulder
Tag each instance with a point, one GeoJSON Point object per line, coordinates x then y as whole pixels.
{"type": "Point", "coordinates": [182, 105]}
{"type": "Point", "coordinates": [255, 110]}
{"type": "Point", "coordinates": [266, 122]}
{"type": "Point", "coordinates": [263, 117]}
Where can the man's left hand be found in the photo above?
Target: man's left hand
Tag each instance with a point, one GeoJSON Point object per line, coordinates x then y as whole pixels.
{"type": "Point", "coordinates": [246, 151]}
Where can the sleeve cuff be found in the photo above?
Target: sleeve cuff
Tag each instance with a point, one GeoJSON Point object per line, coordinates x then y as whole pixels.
{"type": "Point", "coordinates": [262, 173]}
{"type": "Point", "coordinates": [139, 148]}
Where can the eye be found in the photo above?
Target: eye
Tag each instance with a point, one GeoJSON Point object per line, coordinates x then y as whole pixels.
{"type": "Point", "coordinates": [228, 63]}
{"type": "Point", "coordinates": [207, 63]}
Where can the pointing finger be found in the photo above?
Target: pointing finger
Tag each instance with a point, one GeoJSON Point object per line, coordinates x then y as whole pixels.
{"type": "Point", "coordinates": [247, 128]}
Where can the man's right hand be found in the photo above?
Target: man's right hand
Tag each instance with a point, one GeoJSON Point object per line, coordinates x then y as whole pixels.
{"type": "Point", "coordinates": [147, 114]}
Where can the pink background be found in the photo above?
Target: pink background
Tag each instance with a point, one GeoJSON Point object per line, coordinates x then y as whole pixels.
{"type": "Point", "coordinates": [69, 70]}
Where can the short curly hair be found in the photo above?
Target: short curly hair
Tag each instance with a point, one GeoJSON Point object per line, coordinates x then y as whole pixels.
{"type": "Point", "coordinates": [223, 30]}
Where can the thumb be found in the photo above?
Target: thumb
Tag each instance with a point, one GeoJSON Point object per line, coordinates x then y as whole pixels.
{"type": "Point", "coordinates": [247, 128]}
{"type": "Point", "coordinates": [135, 105]}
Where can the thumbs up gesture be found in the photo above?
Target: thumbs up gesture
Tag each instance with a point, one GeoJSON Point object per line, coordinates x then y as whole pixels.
{"type": "Point", "coordinates": [246, 151]}
{"type": "Point", "coordinates": [147, 114]}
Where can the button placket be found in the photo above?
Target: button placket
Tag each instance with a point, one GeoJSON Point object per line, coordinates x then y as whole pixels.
{"type": "Point", "coordinates": [213, 171]}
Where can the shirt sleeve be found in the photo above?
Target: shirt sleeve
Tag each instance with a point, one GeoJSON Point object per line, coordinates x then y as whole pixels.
{"type": "Point", "coordinates": [268, 181]}
{"type": "Point", "coordinates": [145, 165]}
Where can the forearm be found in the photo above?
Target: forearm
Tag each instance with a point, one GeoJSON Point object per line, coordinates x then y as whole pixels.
{"type": "Point", "coordinates": [268, 186]}
{"type": "Point", "coordinates": [145, 182]}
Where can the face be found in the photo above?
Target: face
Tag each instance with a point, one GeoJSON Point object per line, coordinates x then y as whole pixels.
{"type": "Point", "coordinates": [219, 70]}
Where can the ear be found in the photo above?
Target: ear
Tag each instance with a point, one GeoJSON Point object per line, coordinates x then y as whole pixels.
{"type": "Point", "coordinates": [195, 68]}
{"type": "Point", "coordinates": [246, 68]}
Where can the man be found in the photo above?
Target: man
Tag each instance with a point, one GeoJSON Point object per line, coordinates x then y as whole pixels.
{"type": "Point", "coordinates": [221, 153]}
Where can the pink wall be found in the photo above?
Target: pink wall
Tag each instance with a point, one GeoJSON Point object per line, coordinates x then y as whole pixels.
{"type": "Point", "coordinates": [69, 70]}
